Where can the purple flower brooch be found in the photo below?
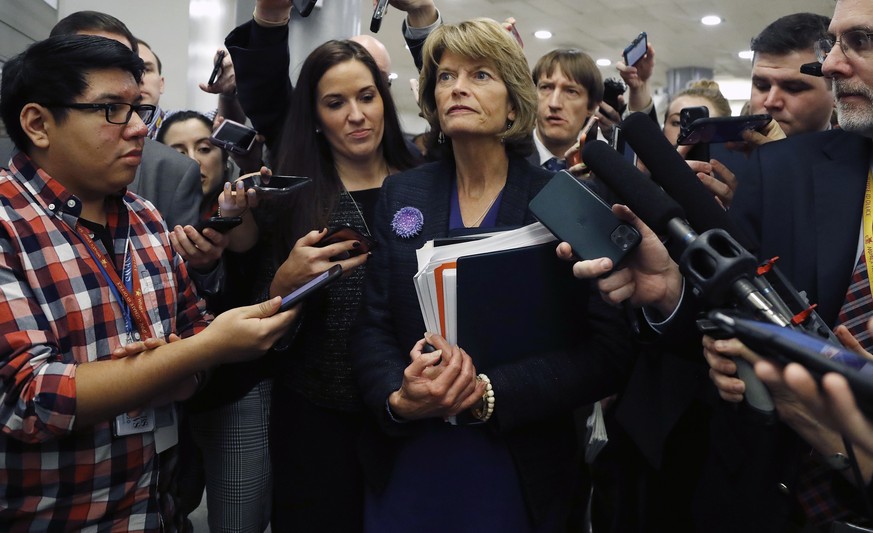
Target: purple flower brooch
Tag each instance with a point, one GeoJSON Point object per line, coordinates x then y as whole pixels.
{"type": "Point", "coordinates": [407, 222]}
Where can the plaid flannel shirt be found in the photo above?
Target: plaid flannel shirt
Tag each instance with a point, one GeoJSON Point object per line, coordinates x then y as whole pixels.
{"type": "Point", "coordinates": [57, 311]}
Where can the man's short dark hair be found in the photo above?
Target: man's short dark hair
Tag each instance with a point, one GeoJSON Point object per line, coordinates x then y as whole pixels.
{"type": "Point", "coordinates": [55, 71]}
{"type": "Point", "coordinates": [160, 66]}
{"type": "Point", "coordinates": [576, 65]}
{"type": "Point", "coordinates": [792, 33]}
{"type": "Point", "coordinates": [94, 21]}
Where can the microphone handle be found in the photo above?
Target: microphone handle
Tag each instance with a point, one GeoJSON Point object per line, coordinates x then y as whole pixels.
{"type": "Point", "coordinates": [756, 397]}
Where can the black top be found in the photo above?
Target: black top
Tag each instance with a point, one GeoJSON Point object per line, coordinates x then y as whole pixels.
{"type": "Point", "coordinates": [317, 364]}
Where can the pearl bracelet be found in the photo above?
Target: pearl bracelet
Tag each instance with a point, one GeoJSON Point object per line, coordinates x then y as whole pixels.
{"type": "Point", "coordinates": [486, 408]}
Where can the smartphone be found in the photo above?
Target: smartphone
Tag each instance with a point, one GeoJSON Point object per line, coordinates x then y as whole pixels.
{"type": "Point", "coordinates": [636, 50]}
{"type": "Point", "coordinates": [216, 70]}
{"type": "Point", "coordinates": [219, 224]}
{"type": "Point", "coordinates": [687, 115]}
{"type": "Point", "coordinates": [347, 233]}
{"type": "Point", "coordinates": [721, 129]}
{"type": "Point", "coordinates": [575, 214]}
{"type": "Point", "coordinates": [233, 137]}
{"type": "Point", "coordinates": [304, 7]}
{"type": "Point", "coordinates": [575, 157]}
{"type": "Point", "coordinates": [621, 146]}
{"type": "Point", "coordinates": [612, 89]}
{"type": "Point", "coordinates": [323, 279]}
{"type": "Point", "coordinates": [277, 186]}
{"type": "Point", "coordinates": [378, 13]}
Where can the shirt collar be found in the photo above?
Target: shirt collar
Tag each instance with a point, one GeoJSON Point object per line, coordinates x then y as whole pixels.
{"type": "Point", "coordinates": [543, 152]}
{"type": "Point", "coordinates": [48, 192]}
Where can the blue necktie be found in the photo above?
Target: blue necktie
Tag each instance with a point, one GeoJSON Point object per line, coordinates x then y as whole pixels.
{"type": "Point", "coordinates": [555, 165]}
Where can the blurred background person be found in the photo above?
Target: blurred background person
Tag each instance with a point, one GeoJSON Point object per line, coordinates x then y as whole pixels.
{"type": "Point", "coordinates": [224, 444]}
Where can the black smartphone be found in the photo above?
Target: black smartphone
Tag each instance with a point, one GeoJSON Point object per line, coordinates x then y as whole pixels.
{"type": "Point", "coordinates": [378, 13]}
{"type": "Point", "coordinates": [621, 146]}
{"type": "Point", "coordinates": [687, 115]}
{"type": "Point", "coordinates": [313, 285]}
{"type": "Point", "coordinates": [304, 7]}
{"type": "Point", "coordinates": [347, 233]}
{"type": "Point", "coordinates": [233, 137]}
{"type": "Point", "coordinates": [721, 129]}
{"type": "Point", "coordinates": [612, 89]}
{"type": "Point", "coordinates": [575, 214]}
{"type": "Point", "coordinates": [216, 70]}
{"type": "Point", "coordinates": [636, 50]}
{"type": "Point", "coordinates": [276, 187]}
{"type": "Point", "coordinates": [219, 224]}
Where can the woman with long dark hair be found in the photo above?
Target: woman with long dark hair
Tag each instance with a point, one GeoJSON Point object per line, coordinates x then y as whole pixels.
{"type": "Point", "coordinates": [342, 131]}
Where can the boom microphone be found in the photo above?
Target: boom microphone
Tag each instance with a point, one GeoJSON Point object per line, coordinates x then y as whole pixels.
{"type": "Point", "coordinates": [716, 266]}
{"type": "Point", "coordinates": [669, 170]}
{"type": "Point", "coordinates": [641, 194]}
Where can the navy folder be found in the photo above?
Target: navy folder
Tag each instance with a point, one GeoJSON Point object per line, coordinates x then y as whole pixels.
{"type": "Point", "coordinates": [518, 302]}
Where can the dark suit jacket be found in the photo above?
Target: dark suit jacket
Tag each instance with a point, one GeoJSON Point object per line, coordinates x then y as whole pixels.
{"type": "Point", "coordinates": [171, 181]}
{"type": "Point", "coordinates": [536, 394]}
{"type": "Point", "coordinates": [801, 199]}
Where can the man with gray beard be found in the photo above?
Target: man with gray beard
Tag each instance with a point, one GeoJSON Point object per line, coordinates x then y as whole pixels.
{"type": "Point", "coordinates": [802, 200]}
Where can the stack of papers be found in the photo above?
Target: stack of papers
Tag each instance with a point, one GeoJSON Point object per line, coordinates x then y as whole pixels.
{"type": "Point", "coordinates": [436, 279]}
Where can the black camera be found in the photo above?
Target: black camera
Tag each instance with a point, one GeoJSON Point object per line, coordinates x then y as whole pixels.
{"type": "Point", "coordinates": [612, 89]}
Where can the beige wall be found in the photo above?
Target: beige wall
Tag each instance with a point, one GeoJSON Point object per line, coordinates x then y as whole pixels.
{"type": "Point", "coordinates": [184, 44]}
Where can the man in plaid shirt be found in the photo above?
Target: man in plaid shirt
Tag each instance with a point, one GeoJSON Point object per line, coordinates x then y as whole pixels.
{"type": "Point", "coordinates": [85, 269]}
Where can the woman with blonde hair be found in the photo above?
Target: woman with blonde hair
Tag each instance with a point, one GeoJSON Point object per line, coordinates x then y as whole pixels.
{"type": "Point", "coordinates": [705, 93]}
{"type": "Point", "coordinates": [508, 463]}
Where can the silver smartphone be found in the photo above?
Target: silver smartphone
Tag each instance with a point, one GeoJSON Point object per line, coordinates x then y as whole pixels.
{"type": "Point", "coordinates": [233, 137]}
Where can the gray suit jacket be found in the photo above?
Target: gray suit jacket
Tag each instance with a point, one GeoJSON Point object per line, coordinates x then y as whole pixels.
{"type": "Point", "coordinates": [171, 181]}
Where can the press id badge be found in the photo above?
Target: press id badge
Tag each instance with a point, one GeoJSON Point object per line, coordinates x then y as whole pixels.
{"type": "Point", "coordinates": [133, 423]}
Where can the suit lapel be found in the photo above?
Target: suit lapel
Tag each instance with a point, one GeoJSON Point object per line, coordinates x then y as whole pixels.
{"type": "Point", "coordinates": [437, 199]}
{"type": "Point", "coordinates": [839, 181]}
{"type": "Point", "coordinates": [516, 195]}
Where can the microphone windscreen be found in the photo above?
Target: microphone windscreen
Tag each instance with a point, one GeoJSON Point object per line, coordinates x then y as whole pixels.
{"type": "Point", "coordinates": [671, 172]}
{"type": "Point", "coordinates": [637, 191]}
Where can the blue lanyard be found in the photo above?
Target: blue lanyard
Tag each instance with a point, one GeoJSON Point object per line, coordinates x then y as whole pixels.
{"type": "Point", "coordinates": [127, 279]}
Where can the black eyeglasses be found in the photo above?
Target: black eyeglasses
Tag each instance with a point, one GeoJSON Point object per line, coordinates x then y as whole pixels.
{"type": "Point", "coordinates": [854, 43]}
{"type": "Point", "coordinates": [116, 113]}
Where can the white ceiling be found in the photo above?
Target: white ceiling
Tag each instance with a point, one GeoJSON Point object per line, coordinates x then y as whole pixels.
{"type": "Point", "coordinates": [602, 28]}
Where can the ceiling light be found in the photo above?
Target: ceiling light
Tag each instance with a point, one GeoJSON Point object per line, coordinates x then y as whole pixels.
{"type": "Point", "coordinates": [543, 34]}
{"type": "Point", "coordinates": [711, 20]}
{"type": "Point", "coordinates": [603, 62]}
{"type": "Point", "coordinates": [746, 54]}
